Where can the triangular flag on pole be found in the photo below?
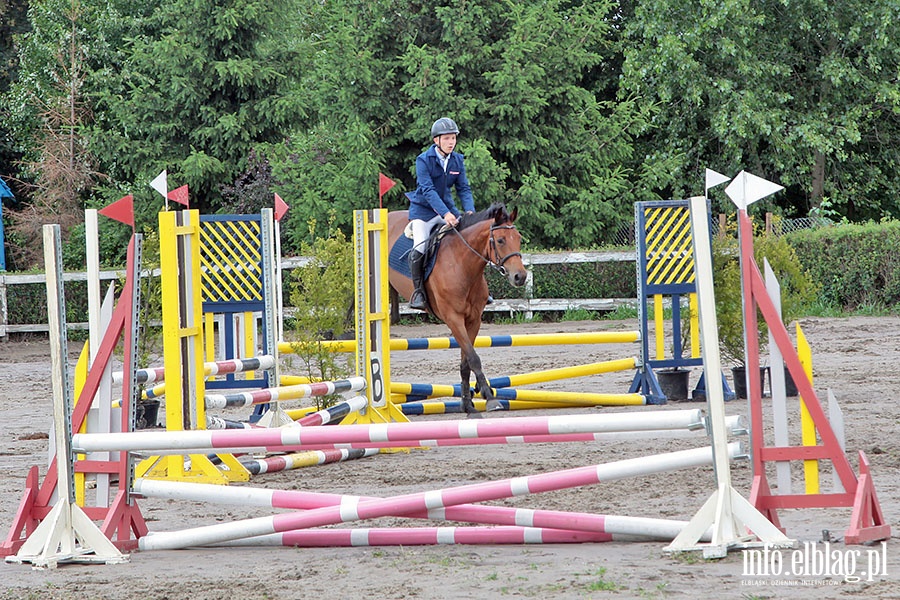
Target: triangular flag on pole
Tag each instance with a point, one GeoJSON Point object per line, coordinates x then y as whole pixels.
{"type": "Point", "coordinates": [713, 179]}
{"type": "Point", "coordinates": [281, 207]}
{"type": "Point", "coordinates": [180, 195]}
{"type": "Point", "coordinates": [160, 184]}
{"type": "Point", "coordinates": [122, 210]}
{"type": "Point", "coordinates": [746, 189]}
{"type": "Point", "coordinates": [384, 184]}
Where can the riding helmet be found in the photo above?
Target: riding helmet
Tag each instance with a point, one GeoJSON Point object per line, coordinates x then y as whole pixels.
{"type": "Point", "coordinates": [443, 126]}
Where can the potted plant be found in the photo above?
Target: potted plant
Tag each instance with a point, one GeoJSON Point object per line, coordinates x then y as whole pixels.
{"type": "Point", "coordinates": [798, 290]}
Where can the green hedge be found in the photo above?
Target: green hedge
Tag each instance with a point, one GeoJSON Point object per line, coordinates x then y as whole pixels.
{"type": "Point", "coordinates": [856, 266]}
{"type": "Point", "coordinates": [575, 280]}
{"type": "Point", "coordinates": [26, 303]}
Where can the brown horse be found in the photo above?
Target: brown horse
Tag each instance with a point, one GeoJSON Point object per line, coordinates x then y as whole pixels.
{"type": "Point", "coordinates": [457, 290]}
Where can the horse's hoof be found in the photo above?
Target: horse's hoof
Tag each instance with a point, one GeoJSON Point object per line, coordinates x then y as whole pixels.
{"type": "Point", "coordinates": [492, 405]}
{"type": "Point", "coordinates": [474, 415]}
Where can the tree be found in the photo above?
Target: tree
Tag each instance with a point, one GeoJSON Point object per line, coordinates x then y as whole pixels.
{"type": "Point", "coordinates": [532, 85]}
{"type": "Point", "coordinates": [803, 92]}
{"type": "Point", "coordinates": [13, 24]}
{"type": "Point", "coordinates": [192, 87]}
{"type": "Point", "coordinates": [47, 112]}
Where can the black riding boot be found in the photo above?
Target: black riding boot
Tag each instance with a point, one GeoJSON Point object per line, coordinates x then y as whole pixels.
{"type": "Point", "coordinates": [416, 269]}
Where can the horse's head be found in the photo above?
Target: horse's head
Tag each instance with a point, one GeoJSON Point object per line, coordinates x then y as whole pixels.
{"type": "Point", "coordinates": [505, 250]}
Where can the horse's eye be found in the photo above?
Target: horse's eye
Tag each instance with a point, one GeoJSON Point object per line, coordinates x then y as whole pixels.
{"type": "Point", "coordinates": [501, 241]}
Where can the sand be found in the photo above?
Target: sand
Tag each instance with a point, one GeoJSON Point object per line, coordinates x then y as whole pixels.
{"type": "Point", "coordinates": [854, 357]}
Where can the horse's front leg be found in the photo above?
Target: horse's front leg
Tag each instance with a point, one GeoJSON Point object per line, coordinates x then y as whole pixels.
{"type": "Point", "coordinates": [465, 373]}
{"type": "Point", "coordinates": [471, 363]}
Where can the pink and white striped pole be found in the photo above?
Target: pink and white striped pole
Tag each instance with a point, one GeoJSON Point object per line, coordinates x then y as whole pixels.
{"type": "Point", "coordinates": [421, 536]}
{"type": "Point", "coordinates": [642, 527]}
{"type": "Point", "coordinates": [305, 437]}
{"type": "Point", "coordinates": [353, 510]}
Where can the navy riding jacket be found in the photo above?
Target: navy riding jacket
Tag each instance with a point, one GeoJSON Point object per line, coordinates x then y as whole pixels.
{"type": "Point", "coordinates": [433, 195]}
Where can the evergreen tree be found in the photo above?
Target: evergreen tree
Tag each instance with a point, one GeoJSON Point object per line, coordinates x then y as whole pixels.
{"type": "Point", "coordinates": [192, 87]}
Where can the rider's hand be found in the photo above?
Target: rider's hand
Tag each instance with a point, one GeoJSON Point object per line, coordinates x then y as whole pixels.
{"type": "Point", "coordinates": [451, 219]}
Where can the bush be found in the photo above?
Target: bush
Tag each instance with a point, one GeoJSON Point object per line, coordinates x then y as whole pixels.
{"type": "Point", "coordinates": [322, 293]}
{"type": "Point", "coordinates": [855, 265]}
{"type": "Point", "coordinates": [798, 289]}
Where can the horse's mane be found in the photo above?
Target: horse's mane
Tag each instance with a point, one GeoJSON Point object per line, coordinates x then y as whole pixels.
{"type": "Point", "coordinates": [490, 213]}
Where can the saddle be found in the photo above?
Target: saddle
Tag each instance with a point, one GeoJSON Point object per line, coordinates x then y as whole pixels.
{"type": "Point", "coordinates": [398, 259]}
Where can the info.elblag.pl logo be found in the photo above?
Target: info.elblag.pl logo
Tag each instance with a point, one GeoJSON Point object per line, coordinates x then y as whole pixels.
{"type": "Point", "coordinates": [815, 560]}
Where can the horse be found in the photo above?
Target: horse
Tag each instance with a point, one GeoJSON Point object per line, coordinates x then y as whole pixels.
{"type": "Point", "coordinates": [456, 288]}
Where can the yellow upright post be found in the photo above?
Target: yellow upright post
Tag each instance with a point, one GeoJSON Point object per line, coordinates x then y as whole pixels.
{"type": "Point", "coordinates": [695, 326]}
{"type": "Point", "coordinates": [370, 246]}
{"type": "Point", "coordinates": [659, 326]}
{"type": "Point", "coordinates": [182, 319]}
{"type": "Point", "coordinates": [807, 426]}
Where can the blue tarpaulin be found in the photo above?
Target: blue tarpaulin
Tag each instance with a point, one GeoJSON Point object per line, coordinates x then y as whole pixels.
{"type": "Point", "coordinates": [5, 192]}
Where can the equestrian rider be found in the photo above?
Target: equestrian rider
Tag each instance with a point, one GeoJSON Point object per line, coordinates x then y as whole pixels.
{"type": "Point", "coordinates": [437, 170]}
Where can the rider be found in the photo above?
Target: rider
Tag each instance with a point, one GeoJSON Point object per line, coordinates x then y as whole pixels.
{"type": "Point", "coordinates": [437, 170]}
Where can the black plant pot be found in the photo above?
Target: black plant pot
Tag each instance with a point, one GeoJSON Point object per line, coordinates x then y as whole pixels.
{"type": "Point", "coordinates": [674, 383]}
{"type": "Point", "coordinates": [790, 388]}
{"type": "Point", "coordinates": [146, 414]}
{"type": "Point", "coordinates": [740, 380]}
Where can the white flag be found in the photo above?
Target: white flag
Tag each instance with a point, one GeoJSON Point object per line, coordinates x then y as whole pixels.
{"type": "Point", "coordinates": [161, 184]}
{"type": "Point", "coordinates": [713, 179]}
{"type": "Point", "coordinates": [747, 189]}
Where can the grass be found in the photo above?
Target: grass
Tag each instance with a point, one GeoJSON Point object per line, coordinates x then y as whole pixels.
{"type": "Point", "coordinates": [578, 314]}
{"type": "Point", "coordinates": [601, 584]}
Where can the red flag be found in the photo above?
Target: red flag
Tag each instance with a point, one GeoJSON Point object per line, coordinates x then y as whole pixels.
{"type": "Point", "coordinates": [122, 210]}
{"type": "Point", "coordinates": [384, 184]}
{"type": "Point", "coordinates": [280, 207]}
{"type": "Point", "coordinates": [180, 195]}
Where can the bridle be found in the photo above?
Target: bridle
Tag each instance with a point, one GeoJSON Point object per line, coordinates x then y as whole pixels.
{"type": "Point", "coordinates": [497, 261]}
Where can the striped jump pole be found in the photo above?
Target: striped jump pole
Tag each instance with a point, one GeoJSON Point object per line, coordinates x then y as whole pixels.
{"type": "Point", "coordinates": [544, 376]}
{"type": "Point", "coordinates": [421, 536]}
{"type": "Point", "coordinates": [222, 367]}
{"type": "Point", "coordinates": [736, 425]}
{"type": "Point", "coordinates": [278, 394]}
{"type": "Point", "coordinates": [299, 460]}
{"type": "Point", "coordinates": [648, 528]}
{"type": "Point", "coordinates": [357, 509]}
{"type": "Point", "coordinates": [385, 432]}
{"type": "Point", "coordinates": [425, 390]}
{"type": "Point", "coordinates": [484, 341]}
{"type": "Point", "coordinates": [334, 413]}
{"type": "Point", "coordinates": [445, 407]}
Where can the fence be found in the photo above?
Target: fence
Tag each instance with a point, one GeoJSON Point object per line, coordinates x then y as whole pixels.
{"type": "Point", "coordinates": [528, 304]}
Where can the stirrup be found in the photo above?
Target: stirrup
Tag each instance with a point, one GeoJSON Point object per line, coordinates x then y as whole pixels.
{"type": "Point", "coordinates": [418, 301]}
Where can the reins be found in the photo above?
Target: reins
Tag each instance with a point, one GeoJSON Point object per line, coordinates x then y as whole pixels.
{"type": "Point", "coordinates": [495, 264]}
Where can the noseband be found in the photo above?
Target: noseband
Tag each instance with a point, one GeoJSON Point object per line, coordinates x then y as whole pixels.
{"type": "Point", "coordinates": [498, 262]}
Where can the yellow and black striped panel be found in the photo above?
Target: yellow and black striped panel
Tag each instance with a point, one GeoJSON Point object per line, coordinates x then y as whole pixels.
{"type": "Point", "coordinates": [230, 261]}
{"type": "Point", "coordinates": [669, 248]}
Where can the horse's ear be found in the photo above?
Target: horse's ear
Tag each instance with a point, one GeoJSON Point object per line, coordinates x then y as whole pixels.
{"type": "Point", "coordinates": [513, 215]}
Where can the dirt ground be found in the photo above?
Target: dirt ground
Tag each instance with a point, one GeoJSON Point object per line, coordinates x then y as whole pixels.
{"type": "Point", "coordinates": [857, 358]}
